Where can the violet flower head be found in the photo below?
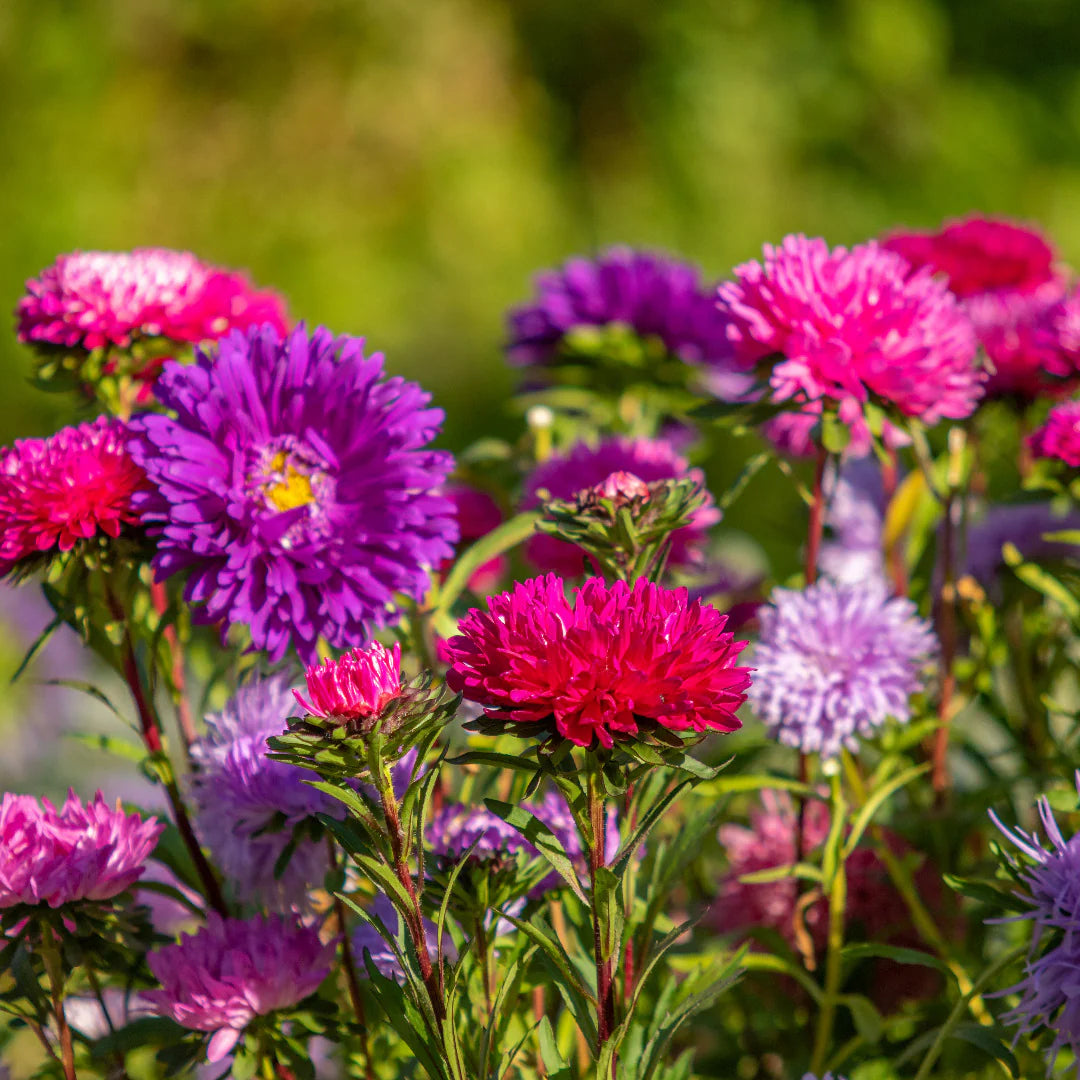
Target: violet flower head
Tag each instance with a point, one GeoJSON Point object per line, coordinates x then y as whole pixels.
{"type": "Point", "coordinates": [599, 664]}
{"type": "Point", "coordinates": [357, 686]}
{"type": "Point", "coordinates": [76, 485]}
{"type": "Point", "coordinates": [247, 804]}
{"type": "Point", "coordinates": [653, 295]}
{"type": "Point", "coordinates": [583, 466]}
{"type": "Point", "coordinates": [1024, 525]}
{"type": "Point", "coordinates": [83, 851]}
{"type": "Point", "coordinates": [1050, 990]}
{"type": "Point", "coordinates": [233, 970]}
{"type": "Point", "coordinates": [297, 489]}
{"type": "Point", "coordinates": [90, 299]}
{"type": "Point", "coordinates": [1059, 437]}
{"type": "Point", "coordinates": [851, 326]}
{"type": "Point", "coordinates": [836, 661]}
{"type": "Point", "coordinates": [365, 938]}
{"type": "Point", "coordinates": [827, 1076]}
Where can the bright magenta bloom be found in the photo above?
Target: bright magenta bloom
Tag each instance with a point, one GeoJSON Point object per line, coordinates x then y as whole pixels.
{"type": "Point", "coordinates": [93, 298]}
{"type": "Point", "coordinates": [79, 852]}
{"type": "Point", "coordinates": [853, 325]}
{"type": "Point", "coordinates": [72, 486]}
{"type": "Point", "coordinates": [599, 665]}
{"type": "Point", "coordinates": [1059, 437]}
{"type": "Point", "coordinates": [232, 970]}
{"type": "Point", "coordinates": [354, 687]}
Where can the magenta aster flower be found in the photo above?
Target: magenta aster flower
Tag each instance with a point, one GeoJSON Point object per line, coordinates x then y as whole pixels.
{"type": "Point", "coordinates": [233, 970]}
{"type": "Point", "coordinates": [356, 686]}
{"type": "Point", "coordinates": [76, 485]}
{"type": "Point", "coordinates": [853, 325]}
{"type": "Point", "coordinates": [1059, 437]}
{"type": "Point", "coordinates": [94, 298]}
{"type": "Point", "coordinates": [582, 467]}
{"type": "Point", "coordinates": [248, 804]}
{"type": "Point", "coordinates": [89, 851]}
{"type": "Point", "coordinates": [836, 661]}
{"type": "Point", "coordinates": [600, 665]}
{"type": "Point", "coordinates": [297, 490]}
{"type": "Point", "coordinates": [654, 296]}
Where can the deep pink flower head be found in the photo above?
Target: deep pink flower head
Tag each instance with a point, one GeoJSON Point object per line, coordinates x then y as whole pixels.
{"type": "Point", "coordinates": [72, 486]}
{"type": "Point", "coordinates": [617, 654]}
{"type": "Point", "coordinates": [358, 685]}
{"type": "Point", "coordinates": [851, 325]}
{"type": "Point", "coordinates": [232, 970]}
{"type": "Point", "coordinates": [583, 466]}
{"type": "Point", "coordinates": [1059, 437]}
{"type": "Point", "coordinates": [980, 255]}
{"type": "Point", "coordinates": [93, 298]}
{"type": "Point", "coordinates": [89, 851]}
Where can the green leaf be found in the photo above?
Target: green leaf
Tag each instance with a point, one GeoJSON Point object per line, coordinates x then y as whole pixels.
{"type": "Point", "coordinates": [109, 744]}
{"type": "Point", "coordinates": [864, 1014]}
{"type": "Point", "coordinates": [538, 932]}
{"type": "Point", "coordinates": [541, 837]}
{"type": "Point", "coordinates": [991, 1041]}
{"type": "Point", "coordinates": [145, 1031]}
{"type": "Point", "coordinates": [646, 825]}
{"type": "Point", "coordinates": [1042, 581]}
{"type": "Point", "coordinates": [802, 871]}
{"type": "Point", "coordinates": [556, 1065]}
{"type": "Point", "coordinates": [875, 802]}
{"type": "Point", "coordinates": [752, 467]}
{"type": "Point", "coordinates": [872, 950]}
{"type": "Point", "coordinates": [37, 644]}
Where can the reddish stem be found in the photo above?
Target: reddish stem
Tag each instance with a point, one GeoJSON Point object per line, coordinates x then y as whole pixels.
{"type": "Point", "coordinates": [894, 556]}
{"type": "Point", "coordinates": [946, 627]}
{"type": "Point", "coordinates": [179, 678]}
{"type": "Point", "coordinates": [605, 983]}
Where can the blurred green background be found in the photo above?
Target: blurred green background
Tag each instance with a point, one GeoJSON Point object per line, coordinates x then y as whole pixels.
{"type": "Point", "coordinates": [399, 169]}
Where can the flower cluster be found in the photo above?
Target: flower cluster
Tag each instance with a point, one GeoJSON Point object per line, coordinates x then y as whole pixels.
{"type": "Point", "coordinates": [1059, 437]}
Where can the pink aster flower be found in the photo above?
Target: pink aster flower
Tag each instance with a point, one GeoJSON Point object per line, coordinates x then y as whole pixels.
{"type": "Point", "coordinates": [854, 325]}
{"type": "Point", "coordinates": [1059, 437]}
{"type": "Point", "coordinates": [232, 970]}
{"type": "Point", "coordinates": [357, 686]}
{"type": "Point", "coordinates": [89, 851]}
{"type": "Point", "coordinates": [74, 485]}
{"type": "Point", "coordinates": [95, 298]}
{"type": "Point", "coordinates": [601, 664]}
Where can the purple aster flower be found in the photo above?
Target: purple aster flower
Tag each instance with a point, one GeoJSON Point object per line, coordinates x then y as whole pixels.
{"type": "Point", "coordinates": [835, 661]}
{"type": "Point", "coordinates": [247, 804]}
{"type": "Point", "coordinates": [654, 296]}
{"type": "Point", "coordinates": [1022, 524]}
{"type": "Point", "coordinates": [856, 518]}
{"type": "Point", "coordinates": [366, 938]}
{"type": "Point", "coordinates": [296, 488]}
{"type": "Point", "coordinates": [232, 970]}
{"type": "Point", "coordinates": [1050, 990]}
{"type": "Point", "coordinates": [827, 1076]}
{"type": "Point", "coordinates": [584, 466]}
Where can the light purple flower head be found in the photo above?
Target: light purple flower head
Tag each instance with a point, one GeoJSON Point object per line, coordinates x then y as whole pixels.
{"type": "Point", "coordinates": [89, 851]}
{"type": "Point", "coordinates": [584, 466]}
{"type": "Point", "coordinates": [297, 489]}
{"type": "Point", "coordinates": [827, 1076]}
{"type": "Point", "coordinates": [835, 661]}
{"type": "Point", "coordinates": [241, 796]}
{"type": "Point", "coordinates": [856, 518]}
{"type": "Point", "coordinates": [232, 970]}
{"type": "Point", "coordinates": [653, 295]}
{"type": "Point", "coordinates": [1050, 990]}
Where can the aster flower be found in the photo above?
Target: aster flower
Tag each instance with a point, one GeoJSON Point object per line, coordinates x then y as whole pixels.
{"type": "Point", "coordinates": [1049, 997]}
{"type": "Point", "coordinates": [1024, 525]}
{"type": "Point", "coordinates": [77, 485]}
{"type": "Point", "coordinates": [366, 939]}
{"type": "Point", "coordinates": [851, 327]}
{"type": "Point", "coordinates": [827, 1076]}
{"type": "Point", "coordinates": [248, 804]}
{"type": "Point", "coordinates": [1059, 437]}
{"type": "Point", "coordinates": [229, 972]}
{"type": "Point", "coordinates": [856, 520]}
{"type": "Point", "coordinates": [563, 476]}
{"type": "Point", "coordinates": [599, 666]}
{"type": "Point", "coordinates": [654, 296]}
{"type": "Point", "coordinates": [91, 299]}
{"type": "Point", "coordinates": [356, 687]}
{"type": "Point", "coordinates": [83, 851]}
{"type": "Point", "coordinates": [296, 489]}
{"type": "Point", "coordinates": [835, 661]}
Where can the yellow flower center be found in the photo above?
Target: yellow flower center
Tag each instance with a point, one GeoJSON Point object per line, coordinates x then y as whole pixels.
{"type": "Point", "coordinates": [293, 491]}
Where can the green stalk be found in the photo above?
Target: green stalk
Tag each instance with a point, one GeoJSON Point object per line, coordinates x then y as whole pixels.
{"type": "Point", "coordinates": [54, 968]}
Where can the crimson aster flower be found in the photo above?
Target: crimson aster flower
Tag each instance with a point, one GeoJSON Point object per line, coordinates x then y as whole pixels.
{"type": "Point", "coordinates": [601, 664]}
{"type": "Point", "coordinates": [357, 686]}
{"type": "Point", "coordinates": [584, 466]}
{"type": "Point", "coordinates": [83, 851]}
{"type": "Point", "coordinates": [90, 299]}
{"type": "Point", "coordinates": [851, 326]}
{"type": "Point", "coordinates": [230, 971]}
{"type": "Point", "coordinates": [297, 489]}
{"type": "Point", "coordinates": [76, 485]}
{"type": "Point", "coordinates": [1059, 437]}
{"type": "Point", "coordinates": [836, 661]}
{"type": "Point", "coordinates": [656, 297]}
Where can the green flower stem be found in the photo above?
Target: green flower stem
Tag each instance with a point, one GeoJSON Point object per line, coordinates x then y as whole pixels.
{"type": "Point", "coordinates": [54, 969]}
{"type": "Point", "coordinates": [605, 982]}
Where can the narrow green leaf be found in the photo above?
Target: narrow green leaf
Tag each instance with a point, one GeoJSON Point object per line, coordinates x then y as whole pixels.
{"type": "Point", "coordinates": [876, 800]}
{"type": "Point", "coordinates": [541, 837]}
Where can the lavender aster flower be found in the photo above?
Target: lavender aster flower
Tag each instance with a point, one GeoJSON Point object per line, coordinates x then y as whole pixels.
{"type": "Point", "coordinates": [835, 661]}
{"type": "Point", "coordinates": [1022, 524]}
{"type": "Point", "coordinates": [1050, 990]}
{"type": "Point", "coordinates": [654, 296]}
{"type": "Point", "coordinates": [297, 490]}
{"type": "Point", "coordinates": [248, 804]}
{"type": "Point", "coordinates": [232, 970]}
{"type": "Point", "coordinates": [856, 518]}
